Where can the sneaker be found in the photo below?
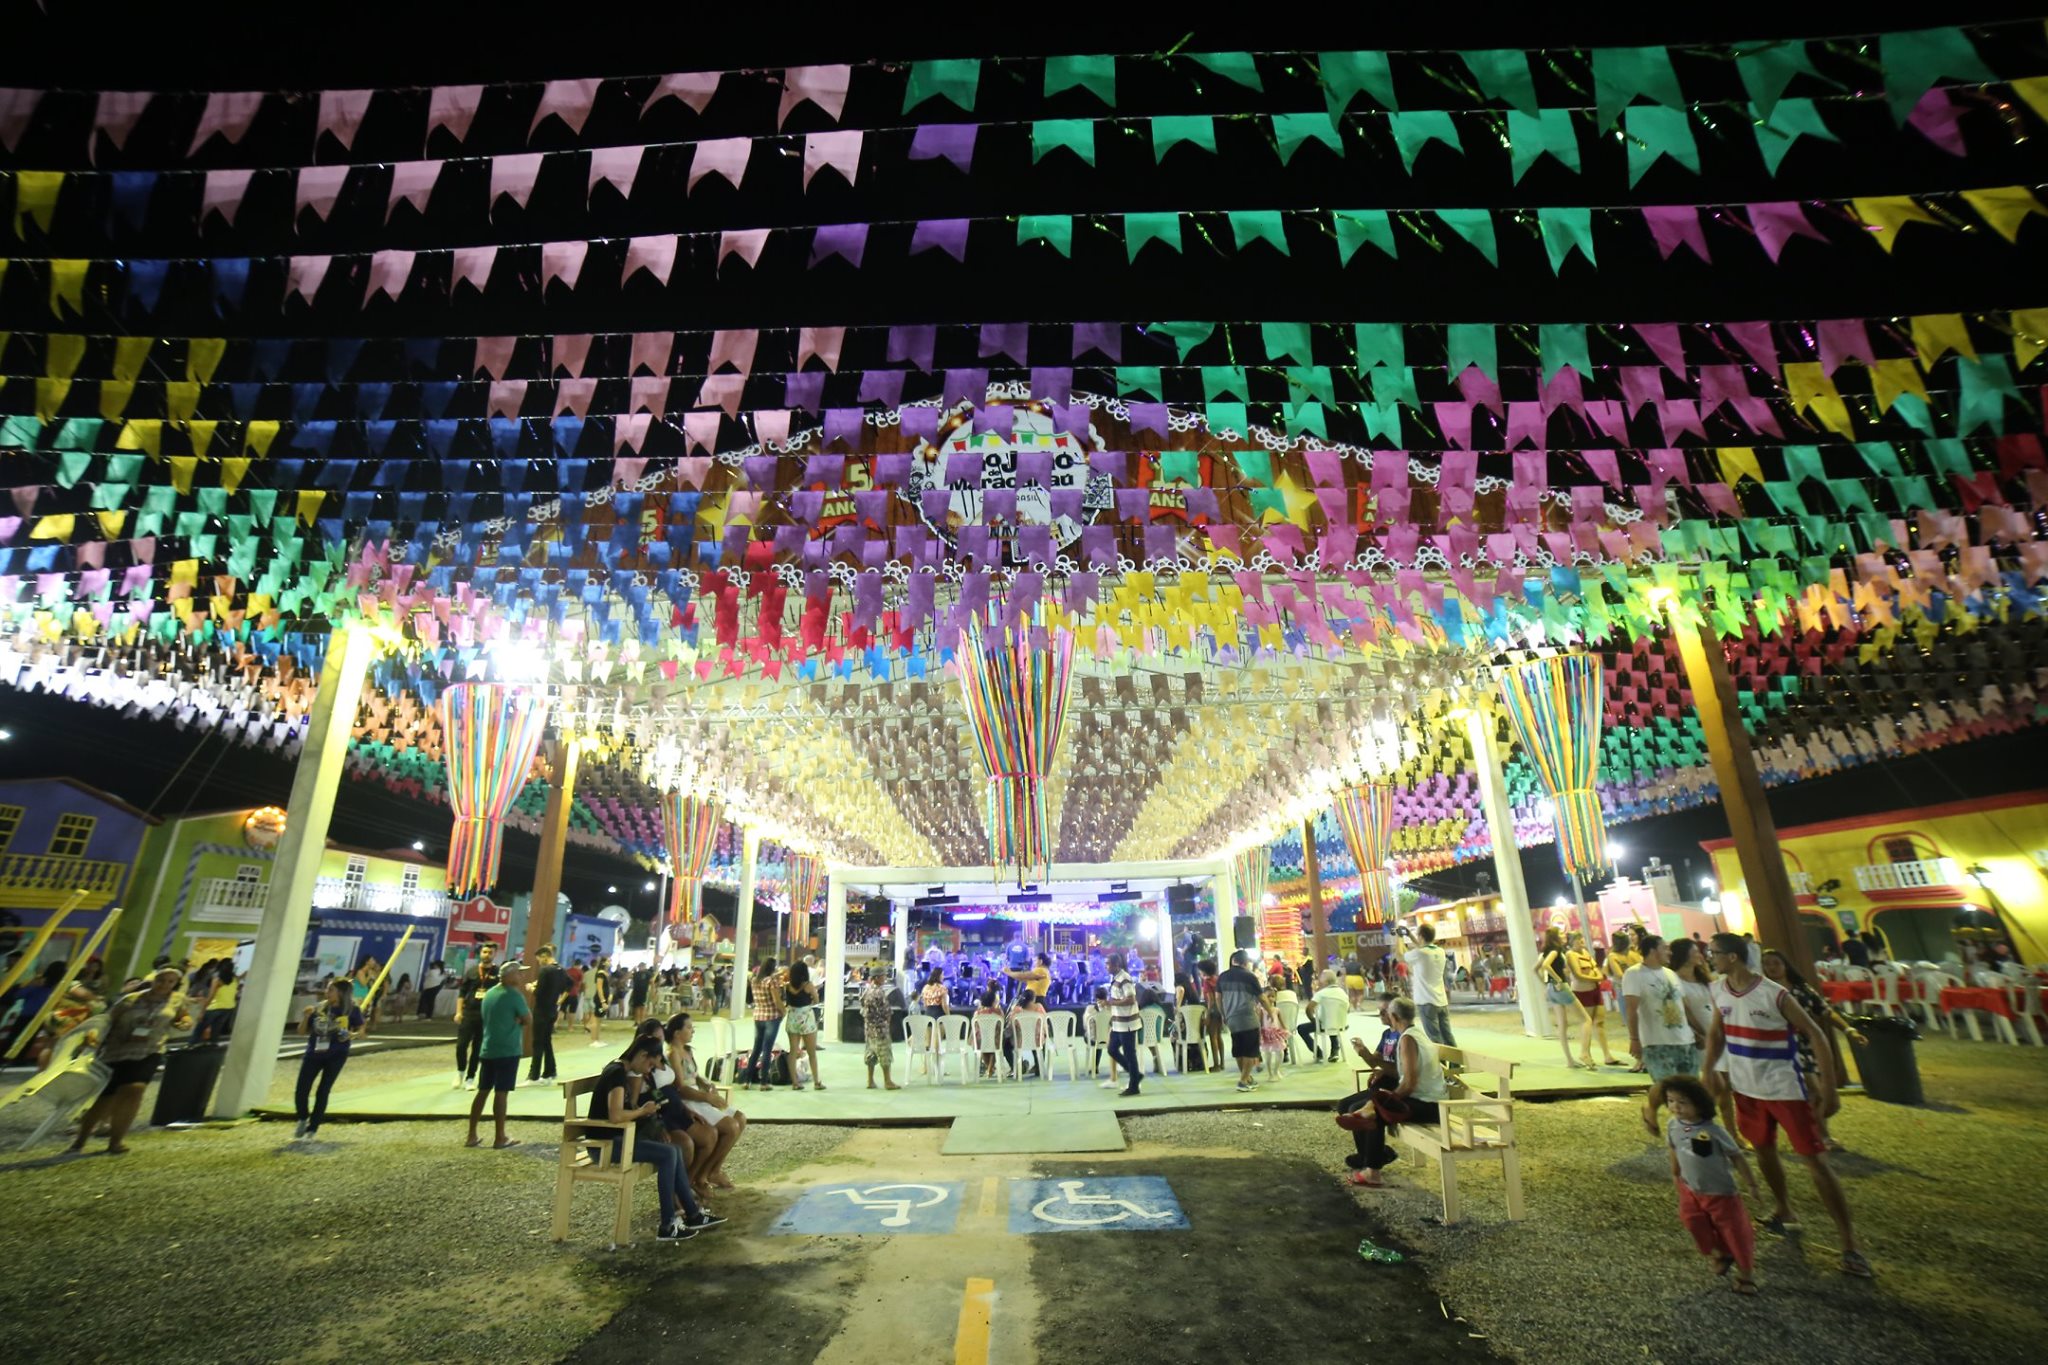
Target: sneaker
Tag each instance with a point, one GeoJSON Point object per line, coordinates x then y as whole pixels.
{"type": "Point", "coordinates": [1127, 1092]}
{"type": "Point", "coordinates": [705, 1221]}
{"type": "Point", "coordinates": [458, 1080]}
{"type": "Point", "coordinates": [300, 1130]}
{"type": "Point", "coordinates": [1106, 1085]}
{"type": "Point", "coordinates": [675, 1232]}
{"type": "Point", "coordinates": [1243, 1088]}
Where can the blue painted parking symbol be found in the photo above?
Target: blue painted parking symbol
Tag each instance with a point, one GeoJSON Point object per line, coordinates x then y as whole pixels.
{"type": "Point", "coordinates": [1143, 1203]}
{"type": "Point", "coordinates": [883, 1209]}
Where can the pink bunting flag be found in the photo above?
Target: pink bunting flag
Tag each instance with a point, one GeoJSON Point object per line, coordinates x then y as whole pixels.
{"type": "Point", "coordinates": [824, 86]}
{"type": "Point", "coordinates": [630, 432]}
{"type": "Point", "coordinates": [473, 267]}
{"type": "Point", "coordinates": [615, 166]}
{"type": "Point", "coordinates": [568, 101]}
{"type": "Point", "coordinates": [1641, 384]}
{"type": "Point", "coordinates": [507, 397]}
{"type": "Point", "coordinates": [726, 157]}
{"type": "Point", "coordinates": [115, 114]}
{"type": "Point", "coordinates": [838, 151]}
{"type": "Point", "coordinates": [627, 472]}
{"type": "Point", "coordinates": [341, 114]}
{"type": "Point", "coordinates": [1676, 225]}
{"type": "Point", "coordinates": [745, 243]}
{"type": "Point", "coordinates": [223, 193]}
{"type": "Point", "coordinates": [722, 391]}
{"type": "Point", "coordinates": [303, 274]}
{"type": "Point", "coordinates": [514, 175]}
{"type": "Point", "coordinates": [570, 353]}
{"type": "Point", "coordinates": [694, 88]}
{"type": "Point", "coordinates": [453, 107]}
{"type": "Point", "coordinates": [655, 255]}
{"type": "Point", "coordinates": [1842, 340]}
{"type": "Point", "coordinates": [648, 392]}
{"type": "Point", "coordinates": [1755, 339]}
{"type": "Point", "coordinates": [318, 188]}
{"type": "Point", "coordinates": [651, 351]}
{"type": "Point", "coordinates": [700, 432]}
{"type": "Point", "coordinates": [734, 348]}
{"type": "Point", "coordinates": [1664, 342]}
{"type": "Point", "coordinates": [412, 182]}
{"type": "Point", "coordinates": [493, 355]}
{"type": "Point", "coordinates": [825, 343]}
{"type": "Point", "coordinates": [1938, 118]}
{"type": "Point", "coordinates": [17, 107]}
{"type": "Point", "coordinates": [228, 113]}
{"type": "Point", "coordinates": [574, 395]}
{"type": "Point", "coordinates": [1778, 223]}
{"type": "Point", "coordinates": [562, 261]}
{"type": "Point", "coordinates": [771, 426]}
{"type": "Point", "coordinates": [389, 270]}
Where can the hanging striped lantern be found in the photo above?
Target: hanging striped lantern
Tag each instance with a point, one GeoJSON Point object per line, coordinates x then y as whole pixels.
{"type": "Point", "coordinates": [1279, 931]}
{"type": "Point", "coordinates": [492, 732]}
{"type": "Point", "coordinates": [1365, 813]}
{"type": "Point", "coordinates": [1555, 706]}
{"type": "Point", "coordinates": [689, 827]}
{"type": "Point", "coordinates": [806, 881]}
{"type": "Point", "coordinates": [1014, 692]}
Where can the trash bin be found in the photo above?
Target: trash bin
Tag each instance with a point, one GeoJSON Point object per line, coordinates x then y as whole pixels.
{"type": "Point", "coordinates": [185, 1084]}
{"type": "Point", "coordinates": [1886, 1062]}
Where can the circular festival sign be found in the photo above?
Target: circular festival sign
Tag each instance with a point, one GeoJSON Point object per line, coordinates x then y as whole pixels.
{"type": "Point", "coordinates": [1032, 431]}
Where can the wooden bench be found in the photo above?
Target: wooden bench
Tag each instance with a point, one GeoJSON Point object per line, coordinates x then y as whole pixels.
{"type": "Point", "coordinates": [586, 1156]}
{"type": "Point", "coordinates": [1476, 1124]}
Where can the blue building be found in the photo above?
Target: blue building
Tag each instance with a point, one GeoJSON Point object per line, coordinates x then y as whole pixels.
{"type": "Point", "coordinates": [63, 844]}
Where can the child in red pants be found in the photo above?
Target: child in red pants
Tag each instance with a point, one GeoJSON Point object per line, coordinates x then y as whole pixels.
{"type": "Point", "coordinates": [1704, 1163]}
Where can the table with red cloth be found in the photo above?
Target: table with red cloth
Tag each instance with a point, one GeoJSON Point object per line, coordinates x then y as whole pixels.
{"type": "Point", "coordinates": [1987, 998]}
{"type": "Point", "coordinates": [1848, 992]}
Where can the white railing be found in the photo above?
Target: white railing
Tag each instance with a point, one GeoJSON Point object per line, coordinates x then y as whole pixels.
{"type": "Point", "coordinates": [1924, 872]}
{"type": "Point", "coordinates": [231, 900]}
{"type": "Point", "coordinates": [1802, 882]}
{"type": "Point", "coordinates": [338, 893]}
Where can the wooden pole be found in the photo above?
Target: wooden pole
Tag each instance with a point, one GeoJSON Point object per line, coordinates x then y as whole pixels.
{"type": "Point", "coordinates": [564, 755]}
{"type": "Point", "coordinates": [1742, 796]}
{"type": "Point", "coordinates": [1318, 917]}
{"type": "Point", "coordinates": [266, 998]}
{"type": "Point", "coordinates": [35, 945]}
{"type": "Point", "coordinates": [26, 1034]}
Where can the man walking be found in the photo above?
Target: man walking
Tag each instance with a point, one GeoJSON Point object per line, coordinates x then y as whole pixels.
{"type": "Point", "coordinates": [1428, 987]}
{"type": "Point", "coordinates": [1754, 1023]}
{"type": "Point", "coordinates": [477, 978]}
{"type": "Point", "coordinates": [877, 1025]}
{"type": "Point", "coordinates": [551, 988]}
{"type": "Point", "coordinates": [503, 1015]}
{"type": "Point", "coordinates": [1237, 992]}
{"type": "Point", "coordinates": [1124, 1024]}
{"type": "Point", "coordinates": [1659, 1038]}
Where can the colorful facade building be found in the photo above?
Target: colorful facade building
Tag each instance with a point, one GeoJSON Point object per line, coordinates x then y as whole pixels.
{"type": "Point", "coordinates": [64, 844]}
{"type": "Point", "coordinates": [1929, 880]}
{"type": "Point", "coordinates": [201, 881]}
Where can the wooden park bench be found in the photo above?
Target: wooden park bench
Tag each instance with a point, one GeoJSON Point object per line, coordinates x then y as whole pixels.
{"type": "Point", "coordinates": [1477, 1123]}
{"type": "Point", "coordinates": [587, 1146]}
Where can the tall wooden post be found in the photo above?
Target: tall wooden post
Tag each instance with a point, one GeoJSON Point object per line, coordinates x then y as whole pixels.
{"type": "Point", "coordinates": [266, 999]}
{"type": "Point", "coordinates": [564, 754]}
{"type": "Point", "coordinates": [1742, 796]}
{"type": "Point", "coordinates": [1318, 917]}
{"type": "Point", "coordinates": [1507, 870]}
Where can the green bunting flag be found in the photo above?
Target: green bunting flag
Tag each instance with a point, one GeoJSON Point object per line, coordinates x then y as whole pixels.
{"type": "Point", "coordinates": [1471, 343]}
{"type": "Point", "coordinates": [1198, 130]}
{"type": "Point", "coordinates": [1254, 225]}
{"type": "Point", "coordinates": [1476, 227]}
{"type": "Point", "coordinates": [1232, 66]}
{"type": "Point", "coordinates": [955, 80]}
{"type": "Point", "coordinates": [1560, 344]}
{"type": "Point", "coordinates": [1532, 135]}
{"type": "Point", "coordinates": [1140, 228]}
{"type": "Point", "coordinates": [1415, 130]}
{"type": "Point", "coordinates": [1789, 120]}
{"type": "Point", "coordinates": [1291, 130]}
{"type": "Point", "coordinates": [1503, 74]}
{"type": "Point", "coordinates": [1185, 335]}
{"type": "Point", "coordinates": [1565, 229]}
{"type": "Point", "coordinates": [1347, 73]}
{"type": "Point", "coordinates": [1054, 229]}
{"type": "Point", "coordinates": [1075, 134]}
{"type": "Point", "coordinates": [1914, 61]}
{"type": "Point", "coordinates": [1097, 75]}
{"type": "Point", "coordinates": [1356, 228]}
{"type": "Point", "coordinates": [1622, 73]}
{"type": "Point", "coordinates": [1767, 68]}
{"type": "Point", "coordinates": [1654, 131]}
{"type": "Point", "coordinates": [1286, 341]}
{"type": "Point", "coordinates": [1379, 343]}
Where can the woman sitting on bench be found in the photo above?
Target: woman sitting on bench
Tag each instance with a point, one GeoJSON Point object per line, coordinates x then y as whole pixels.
{"type": "Point", "coordinates": [617, 1100]}
{"type": "Point", "coordinates": [1417, 1085]}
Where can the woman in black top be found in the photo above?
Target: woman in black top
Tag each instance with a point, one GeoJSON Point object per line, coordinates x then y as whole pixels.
{"type": "Point", "coordinates": [801, 1022]}
{"type": "Point", "coordinates": [1554, 971]}
{"type": "Point", "coordinates": [617, 1099]}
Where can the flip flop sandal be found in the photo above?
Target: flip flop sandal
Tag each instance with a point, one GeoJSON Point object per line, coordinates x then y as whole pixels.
{"type": "Point", "coordinates": [1784, 1227]}
{"type": "Point", "coordinates": [1723, 1264]}
{"type": "Point", "coordinates": [1745, 1287]}
{"type": "Point", "coordinates": [1366, 1180]}
{"type": "Point", "coordinates": [1853, 1263]}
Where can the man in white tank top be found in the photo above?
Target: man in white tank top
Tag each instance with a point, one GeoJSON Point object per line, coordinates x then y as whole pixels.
{"type": "Point", "coordinates": [1754, 1025]}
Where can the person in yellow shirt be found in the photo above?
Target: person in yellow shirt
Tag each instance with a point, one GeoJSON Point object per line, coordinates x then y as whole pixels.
{"type": "Point", "coordinates": [1037, 978]}
{"type": "Point", "coordinates": [219, 1019]}
{"type": "Point", "coordinates": [1586, 986]}
{"type": "Point", "coordinates": [1622, 956]}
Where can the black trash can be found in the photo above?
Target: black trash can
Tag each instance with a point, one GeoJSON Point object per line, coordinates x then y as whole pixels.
{"type": "Point", "coordinates": [184, 1086]}
{"type": "Point", "coordinates": [1886, 1062]}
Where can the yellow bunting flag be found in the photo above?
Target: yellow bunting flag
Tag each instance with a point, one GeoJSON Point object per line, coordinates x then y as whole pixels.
{"type": "Point", "coordinates": [181, 401]}
{"type": "Point", "coordinates": [1891, 378]}
{"type": "Point", "coordinates": [257, 436]}
{"type": "Point", "coordinates": [182, 468]}
{"type": "Point", "coordinates": [50, 395]}
{"type": "Point", "coordinates": [1810, 388]}
{"type": "Point", "coordinates": [112, 523]}
{"type": "Point", "coordinates": [1886, 214]}
{"type": "Point", "coordinates": [67, 285]}
{"type": "Point", "coordinates": [114, 396]}
{"type": "Point", "coordinates": [1936, 334]}
{"type": "Point", "coordinates": [232, 470]}
{"type": "Point", "coordinates": [57, 526]}
{"type": "Point", "coordinates": [2029, 335]}
{"type": "Point", "coordinates": [129, 355]}
{"type": "Point", "coordinates": [201, 433]}
{"type": "Point", "coordinates": [202, 356]}
{"type": "Point", "coordinates": [1736, 461]}
{"type": "Point", "coordinates": [2004, 208]}
{"type": "Point", "coordinates": [145, 434]}
{"type": "Point", "coordinates": [66, 350]}
{"type": "Point", "coordinates": [309, 504]}
{"type": "Point", "coordinates": [35, 196]}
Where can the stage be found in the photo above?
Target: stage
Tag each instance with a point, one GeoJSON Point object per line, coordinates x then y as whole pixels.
{"type": "Point", "coordinates": [416, 1082]}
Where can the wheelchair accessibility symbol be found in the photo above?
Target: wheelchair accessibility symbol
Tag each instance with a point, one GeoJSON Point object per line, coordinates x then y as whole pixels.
{"type": "Point", "coordinates": [1133, 1203]}
{"type": "Point", "coordinates": [884, 1209]}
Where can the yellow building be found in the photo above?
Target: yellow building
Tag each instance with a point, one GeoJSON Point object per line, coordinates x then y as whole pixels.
{"type": "Point", "coordinates": [1926, 878]}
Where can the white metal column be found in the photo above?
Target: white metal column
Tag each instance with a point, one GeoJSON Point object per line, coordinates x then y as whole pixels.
{"type": "Point", "coordinates": [743, 923]}
{"type": "Point", "coordinates": [266, 999]}
{"type": "Point", "coordinates": [835, 950]}
{"type": "Point", "coordinates": [1507, 870]}
{"type": "Point", "coordinates": [1225, 888]}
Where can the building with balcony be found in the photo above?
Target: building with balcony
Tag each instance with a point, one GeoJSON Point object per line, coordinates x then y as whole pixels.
{"type": "Point", "coordinates": [66, 850]}
{"type": "Point", "coordinates": [1928, 879]}
{"type": "Point", "coordinates": [202, 881]}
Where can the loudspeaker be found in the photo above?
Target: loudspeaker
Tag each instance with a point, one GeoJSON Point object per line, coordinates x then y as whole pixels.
{"type": "Point", "coordinates": [1246, 932]}
{"type": "Point", "coordinates": [1180, 899]}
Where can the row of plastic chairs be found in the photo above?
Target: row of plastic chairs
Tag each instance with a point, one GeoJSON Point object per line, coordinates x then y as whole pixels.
{"type": "Point", "coordinates": [1910, 992]}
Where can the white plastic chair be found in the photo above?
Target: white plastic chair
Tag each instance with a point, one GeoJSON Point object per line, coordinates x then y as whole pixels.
{"type": "Point", "coordinates": [1062, 1043]}
{"type": "Point", "coordinates": [1191, 1034]}
{"type": "Point", "coordinates": [721, 1043]}
{"type": "Point", "coordinates": [56, 1094]}
{"type": "Point", "coordinates": [919, 1032]}
{"type": "Point", "coordinates": [1931, 982]}
{"type": "Point", "coordinates": [953, 1043]}
{"type": "Point", "coordinates": [1331, 1018]}
{"type": "Point", "coordinates": [988, 1039]}
{"type": "Point", "coordinates": [1032, 1037]}
{"type": "Point", "coordinates": [1152, 1034]}
{"type": "Point", "coordinates": [2024, 996]}
{"type": "Point", "coordinates": [1097, 1043]}
{"type": "Point", "coordinates": [1290, 1019]}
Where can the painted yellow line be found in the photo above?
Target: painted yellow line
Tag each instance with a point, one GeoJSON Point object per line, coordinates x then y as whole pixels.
{"type": "Point", "coordinates": [970, 1341]}
{"type": "Point", "coordinates": [988, 1197]}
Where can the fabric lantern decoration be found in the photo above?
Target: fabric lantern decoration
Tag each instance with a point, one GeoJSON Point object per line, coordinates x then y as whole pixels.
{"type": "Point", "coordinates": [689, 827]}
{"type": "Point", "coordinates": [492, 732]}
{"type": "Point", "coordinates": [1013, 686]}
{"type": "Point", "coordinates": [1555, 705]}
{"type": "Point", "coordinates": [1365, 812]}
{"type": "Point", "coordinates": [806, 881]}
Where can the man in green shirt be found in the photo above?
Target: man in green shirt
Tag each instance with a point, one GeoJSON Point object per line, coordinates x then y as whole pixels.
{"type": "Point", "coordinates": [505, 1013]}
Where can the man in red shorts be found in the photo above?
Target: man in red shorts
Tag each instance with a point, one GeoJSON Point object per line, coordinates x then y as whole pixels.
{"type": "Point", "coordinates": [1754, 1023]}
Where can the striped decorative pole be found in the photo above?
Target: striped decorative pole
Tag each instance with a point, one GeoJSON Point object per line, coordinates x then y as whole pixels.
{"type": "Point", "coordinates": [689, 827]}
{"type": "Point", "coordinates": [1365, 813]}
{"type": "Point", "coordinates": [491, 732]}
{"type": "Point", "coordinates": [1555, 706]}
{"type": "Point", "coordinates": [1015, 695]}
{"type": "Point", "coordinates": [806, 881]}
